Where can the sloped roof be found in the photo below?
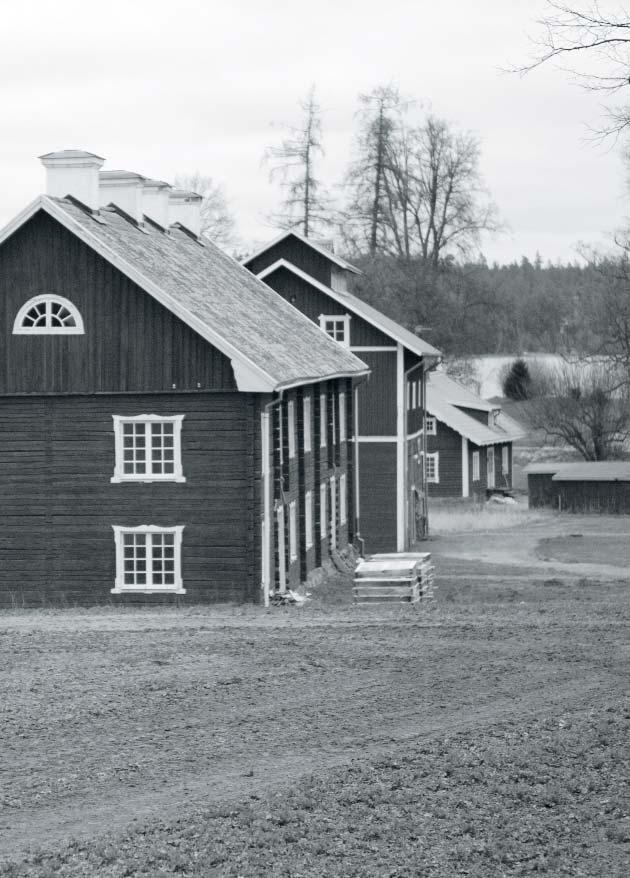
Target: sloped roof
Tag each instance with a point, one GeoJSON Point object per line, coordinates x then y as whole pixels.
{"type": "Point", "coordinates": [441, 396]}
{"type": "Point", "coordinates": [318, 246]}
{"type": "Point", "coordinates": [457, 394]}
{"type": "Point", "coordinates": [546, 467]}
{"type": "Point", "coordinates": [271, 344]}
{"type": "Point", "coordinates": [596, 471]}
{"type": "Point", "coordinates": [374, 317]}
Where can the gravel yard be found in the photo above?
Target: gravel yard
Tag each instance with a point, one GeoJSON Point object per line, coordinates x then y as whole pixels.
{"type": "Point", "coordinates": [483, 735]}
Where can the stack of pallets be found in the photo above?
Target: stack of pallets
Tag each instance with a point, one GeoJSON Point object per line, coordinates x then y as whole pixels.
{"type": "Point", "coordinates": [400, 577]}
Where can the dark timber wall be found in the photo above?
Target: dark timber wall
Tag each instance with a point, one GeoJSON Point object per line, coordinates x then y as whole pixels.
{"type": "Point", "coordinates": [131, 342]}
{"type": "Point", "coordinates": [58, 504]}
{"type": "Point", "coordinates": [299, 254]}
{"type": "Point", "coordinates": [377, 491]}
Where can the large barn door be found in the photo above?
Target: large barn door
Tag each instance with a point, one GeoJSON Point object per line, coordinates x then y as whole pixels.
{"type": "Point", "coordinates": [490, 465]}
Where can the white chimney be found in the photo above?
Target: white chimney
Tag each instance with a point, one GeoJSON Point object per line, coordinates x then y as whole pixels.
{"type": "Point", "coordinates": [155, 201]}
{"type": "Point", "coordinates": [124, 189]}
{"type": "Point", "coordinates": [73, 172]}
{"type": "Point", "coordinates": [185, 208]}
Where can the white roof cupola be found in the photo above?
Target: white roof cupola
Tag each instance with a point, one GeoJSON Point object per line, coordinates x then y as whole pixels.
{"type": "Point", "coordinates": [185, 208]}
{"type": "Point", "coordinates": [155, 201]}
{"type": "Point", "coordinates": [125, 190]}
{"type": "Point", "coordinates": [73, 172]}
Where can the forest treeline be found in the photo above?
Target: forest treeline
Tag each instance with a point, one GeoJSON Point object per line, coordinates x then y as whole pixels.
{"type": "Point", "coordinates": [474, 308]}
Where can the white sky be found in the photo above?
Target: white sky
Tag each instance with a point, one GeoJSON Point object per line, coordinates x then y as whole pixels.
{"type": "Point", "coordinates": [164, 87]}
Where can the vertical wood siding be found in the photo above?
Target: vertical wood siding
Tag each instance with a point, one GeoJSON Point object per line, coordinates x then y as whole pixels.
{"type": "Point", "coordinates": [131, 342]}
{"type": "Point", "coordinates": [58, 504]}
{"type": "Point", "coordinates": [377, 395]}
{"type": "Point", "coordinates": [449, 445]}
{"type": "Point", "coordinates": [298, 254]}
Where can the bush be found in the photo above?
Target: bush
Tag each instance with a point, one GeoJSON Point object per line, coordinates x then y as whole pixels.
{"type": "Point", "coordinates": [517, 384]}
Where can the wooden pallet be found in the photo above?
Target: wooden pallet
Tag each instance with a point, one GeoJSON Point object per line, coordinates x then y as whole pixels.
{"type": "Point", "coordinates": [405, 577]}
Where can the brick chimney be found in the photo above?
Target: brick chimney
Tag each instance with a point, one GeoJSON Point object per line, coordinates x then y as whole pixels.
{"type": "Point", "coordinates": [73, 172]}
{"type": "Point", "coordinates": [125, 190]}
{"type": "Point", "coordinates": [185, 208]}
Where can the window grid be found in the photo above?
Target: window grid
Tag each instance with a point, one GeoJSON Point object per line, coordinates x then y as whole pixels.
{"type": "Point", "coordinates": [148, 448]}
{"type": "Point", "coordinates": [48, 314]}
{"type": "Point", "coordinates": [431, 425]}
{"type": "Point", "coordinates": [432, 468]}
{"type": "Point", "coordinates": [148, 559]}
{"type": "Point", "coordinates": [337, 326]}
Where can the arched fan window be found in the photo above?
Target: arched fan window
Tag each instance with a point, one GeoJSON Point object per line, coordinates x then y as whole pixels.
{"type": "Point", "coordinates": [48, 315]}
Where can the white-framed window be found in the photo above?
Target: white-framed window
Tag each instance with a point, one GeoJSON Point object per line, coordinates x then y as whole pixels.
{"type": "Point", "coordinates": [342, 417]}
{"type": "Point", "coordinates": [414, 397]}
{"type": "Point", "coordinates": [431, 425]}
{"type": "Point", "coordinates": [308, 519]}
{"type": "Point", "coordinates": [306, 412]}
{"type": "Point", "coordinates": [433, 467]}
{"type": "Point", "coordinates": [419, 394]}
{"type": "Point", "coordinates": [337, 326]}
{"type": "Point", "coordinates": [475, 466]}
{"type": "Point", "coordinates": [48, 315]}
{"type": "Point", "coordinates": [334, 421]}
{"type": "Point", "coordinates": [292, 531]}
{"type": "Point", "coordinates": [291, 427]}
{"type": "Point", "coordinates": [323, 512]}
{"type": "Point", "coordinates": [323, 420]}
{"type": "Point", "coordinates": [409, 396]}
{"type": "Point", "coordinates": [505, 460]}
{"type": "Point", "coordinates": [333, 512]}
{"type": "Point", "coordinates": [148, 448]}
{"type": "Point", "coordinates": [343, 499]}
{"type": "Point", "coordinates": [148, 559]}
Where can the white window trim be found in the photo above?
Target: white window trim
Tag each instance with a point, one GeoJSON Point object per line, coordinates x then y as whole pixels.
{"type": "Point", "coordinates": [323, 420]}
{"type": "Point", "coordinates": [121, 476]}
{"type": "Point", "coordinates": [291, 427]}
{"type": "Point", "coordinates": [292, 531]}
{"type": "Point", "coordinates": [435, 457]}
{"type": "Point", "coordinates": [308, 519]}
{"type": "Point", "coordinates": [431, 425]}
{"type": "Point", "coordinates": [334, 421]}
{"type": "Point", "coordinates": [340, 318]}
{"type": "Point", "coordinates": [18, 329]}
{"type": "Point", "coordinates": [476, 466]}
{"type": "Point", "coordinates": [308, 432]}
{"type": "Point", "coordinates": [505, 460]}
{"type": "Point", "coordinates": [342, 417]}
{"type": "Point", "coordinates": [414, 399]}
{"type": "Point", "coordinates": [323, 510]}
{"type": "Point", "coordinates": [149, 588]}
{"type": "Point", "coordinates": [333, 512]}
{"type": "Point", "coordinates": [343, 500]}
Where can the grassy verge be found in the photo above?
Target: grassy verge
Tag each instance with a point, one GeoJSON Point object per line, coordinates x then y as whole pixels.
{"type": "Point", "coordinates": [469, 517]}
{"type": "Point", "coordinates": [545, 797]}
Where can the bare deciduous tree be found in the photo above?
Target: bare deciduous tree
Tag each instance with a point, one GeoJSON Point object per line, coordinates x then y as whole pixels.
{"type": "Point", "coordinates": [365, 215]}
{"type": "Point", "coordinates": [595, 42]}
{"type": "Point", "coordinates": [437, 203]}
{"type": "Point", "coordinates": [217, 223]}
{"type": "Point", "coordinates": [305, 204]}
{"type": "Point", "coordinates": [584, 405]}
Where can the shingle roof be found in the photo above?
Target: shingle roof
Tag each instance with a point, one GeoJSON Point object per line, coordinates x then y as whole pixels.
{"type": "Point", "coordinates": [599, 471]}
{"type": "Point", "coordinates": [376, 318]}
{"type": "Point", "coordinates": [271, 344]}
{"type": "Point", "coordinates": [443, 397]}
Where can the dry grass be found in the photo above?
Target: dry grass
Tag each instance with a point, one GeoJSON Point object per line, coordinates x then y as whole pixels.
{"type": "Point", "coordinates": [465, 517]}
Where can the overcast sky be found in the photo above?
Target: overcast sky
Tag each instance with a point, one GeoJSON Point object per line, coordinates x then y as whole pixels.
{"type": "Point", "coordinates": [165, 87]}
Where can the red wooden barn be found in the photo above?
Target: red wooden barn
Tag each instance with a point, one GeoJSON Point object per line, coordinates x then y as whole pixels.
{"type": "Point", "coordinates": [469, 441]}
{"type": "Point", "coordinates": [170, 425]}
{"type": "Point", "coordinates": [388, 429]}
